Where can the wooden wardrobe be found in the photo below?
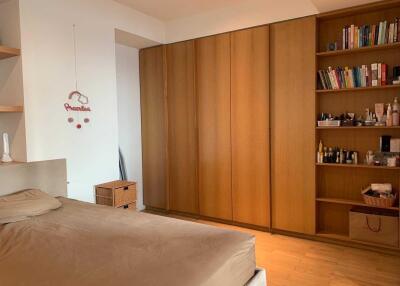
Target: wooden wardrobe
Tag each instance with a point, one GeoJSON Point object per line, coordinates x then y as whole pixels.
{"type": "Point", "coordinates": [293, 125]}
{"type": "Point", "coordinates": [213, 87]}
{"type": "Point", "coordinates": [154, 127]}
{"type": "Point", "coordinates": [250, 125]}
{"type": "Point", "coordinates": [208, 112]}
{"type": "Point", "coordinates": [182, 128]}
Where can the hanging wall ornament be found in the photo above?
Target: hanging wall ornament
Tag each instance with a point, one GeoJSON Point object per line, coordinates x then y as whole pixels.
{"type": "Point", "coordinates": [77, 105]}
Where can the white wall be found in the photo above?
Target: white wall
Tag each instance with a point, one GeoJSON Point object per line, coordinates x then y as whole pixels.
{"type": "Point", "coordinates": [48, 69]}
{"type": "Point", "coordinates": [237, 16]}
{"type": "Point", "coordinates": [129, 120]}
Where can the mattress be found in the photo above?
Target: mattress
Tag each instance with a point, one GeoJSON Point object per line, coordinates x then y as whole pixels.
{"type": "Point", "coordinates": [86, 244]}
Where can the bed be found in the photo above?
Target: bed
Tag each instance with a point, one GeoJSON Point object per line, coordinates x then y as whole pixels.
{"type": "Point", "coordinates": [88, 245]}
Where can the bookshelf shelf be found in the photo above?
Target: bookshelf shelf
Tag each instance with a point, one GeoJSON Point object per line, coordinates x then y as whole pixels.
{"type": "Point", "coordinates": [357, 127]}
{"type": "Point", "coordinates": [360, 166]}
{"type": "Point", "coordinates": [351, 203]}
{"type": "Point", "coordinates": [346, 238]}
{"type": "Point", "coordinates": [11, 109]}
{"type": "Point", "coordinates": [359, 50]}
{"type": "Point", "coordinates": [370, 88]}
{"type": "Point", "coordinates": [6, 52]}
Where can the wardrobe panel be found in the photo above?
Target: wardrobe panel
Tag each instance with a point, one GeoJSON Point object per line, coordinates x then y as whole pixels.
{"type": "Point", "coordinates": [250, 125]}
{"type": "Point", "coordinates": [213, 92]}
{"type": "Point", "coordinates": [293, 45]}
{"type": "Point", "coordinates": [154, 127]}
{"type": "Point", "coordinates": [182, 132]}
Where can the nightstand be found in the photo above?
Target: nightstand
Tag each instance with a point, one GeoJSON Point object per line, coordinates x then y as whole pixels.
{"type": "Point", "coordinates": [118, 194]}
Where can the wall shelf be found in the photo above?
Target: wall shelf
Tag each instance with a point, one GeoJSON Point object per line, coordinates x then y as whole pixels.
{"type": "Point", "coordinates": [359, 50]}
{"type": "Point", "coordinates": [6, 52]}
{"type": "Point", "coordinates": [346, 238]}
{"type": "Point", "coordinates": [11, 109]}
{"type": "Point", "coordinates": [352, 203]}
{"type": "Point", "coordinates": [369, 88]}
{"type": "Point", "coordinates": [357, 166]}
{"type": "Point", "coordinates": [356, 127]}
{"type": "Point", "coordinates": [14, 163]}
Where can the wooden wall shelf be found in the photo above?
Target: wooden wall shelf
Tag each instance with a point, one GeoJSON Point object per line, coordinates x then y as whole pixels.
{"type": "Point", "coordinates": [356, 127]}
{"type": "Point", "coordinates": [369, 88]}
{"type": "Point", "coordinates": [359, 50]}
{"type": "Point", "coordinates": [352, 203]}
{"type": "Point", "coordinates": [6, 52]}
{"type": "Point", "coordinates": [11, 109]}
{"type": "Point", "coordinates": [15, 163]}
{"type": "Point", "coordinates": [346, 238]}
{"type": "Point", "coordinates": [357, 166]}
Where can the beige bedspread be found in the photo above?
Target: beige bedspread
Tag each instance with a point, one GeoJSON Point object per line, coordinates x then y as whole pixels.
{"type": "Point", "coordinates": [84, 244]}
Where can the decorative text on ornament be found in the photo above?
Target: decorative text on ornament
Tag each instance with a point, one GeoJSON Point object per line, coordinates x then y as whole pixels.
{"type": "Point", "coordinates": [82, 108]}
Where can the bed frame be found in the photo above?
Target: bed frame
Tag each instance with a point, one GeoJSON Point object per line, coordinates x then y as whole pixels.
{"type": "Point", "coordinates": [259, 278]}
{"type": "Point", "coordinates": [48, 176]}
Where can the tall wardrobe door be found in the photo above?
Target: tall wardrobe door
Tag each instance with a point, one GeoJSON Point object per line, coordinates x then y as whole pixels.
{"type": "Point", "coordinates": [293, 124]}
{"type": "Point", "coordinates": [213, 92]}
{"type": "Point", "coordinates": [182, 132]}
{"type": "Point", "coordinates": [154, 127]}
{"type": "Point", "coordinates": [250, 125]}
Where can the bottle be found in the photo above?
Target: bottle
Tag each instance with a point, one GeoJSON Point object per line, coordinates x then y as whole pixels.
{"type": "Point", "coordinates": [320, 154]}
{"type": "Point", "coordinates": [389, 116]}
{"type": "Point", "coordinates": [341, 159]}
{"type": "Point", "coordinates": [325, 156]}
{"type": "Point", "coordinates": [395, 112]}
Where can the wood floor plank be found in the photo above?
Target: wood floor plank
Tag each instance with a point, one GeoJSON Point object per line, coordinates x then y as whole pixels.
{"type": "Point", "coordinates": [293, 261]}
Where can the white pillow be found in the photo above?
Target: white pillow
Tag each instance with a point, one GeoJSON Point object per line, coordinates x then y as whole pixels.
{"type": "Point", "coordinates": [25, 204]}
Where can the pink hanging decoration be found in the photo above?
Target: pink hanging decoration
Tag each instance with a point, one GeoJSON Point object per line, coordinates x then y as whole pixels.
{"type": "Point", "coordinates": [76, 101]}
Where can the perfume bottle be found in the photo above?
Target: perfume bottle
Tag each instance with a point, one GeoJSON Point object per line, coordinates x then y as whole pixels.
{"type": "Point", "coordinates": [389, 118]}
{"type": "Point", "coordinates": [395, 112]}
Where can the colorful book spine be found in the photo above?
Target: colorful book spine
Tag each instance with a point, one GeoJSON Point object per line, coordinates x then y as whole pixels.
{"type": "Point", "coordinates": [345, 77]}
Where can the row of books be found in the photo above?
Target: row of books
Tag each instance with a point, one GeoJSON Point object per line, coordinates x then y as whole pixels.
{"type": "Point", "coordinates": [371, 35]}
{"type": "Point", "coordinates": [361, 76]}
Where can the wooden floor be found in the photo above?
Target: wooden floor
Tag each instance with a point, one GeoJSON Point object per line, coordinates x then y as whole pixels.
{"type": "Point", "coordinates": [299, 262]}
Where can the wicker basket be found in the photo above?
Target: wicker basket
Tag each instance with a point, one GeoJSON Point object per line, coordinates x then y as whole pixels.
{"type": "Point", "coordinates": [378, 202]}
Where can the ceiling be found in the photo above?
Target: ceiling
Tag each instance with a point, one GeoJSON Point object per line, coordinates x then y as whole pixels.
{"type": "Point", "coordinates": [168, 10]}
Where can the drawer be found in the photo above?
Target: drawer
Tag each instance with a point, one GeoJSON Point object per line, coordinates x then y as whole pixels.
{"type": "Point", "coordinates": [124, 196]}
{"type": "Point", "coordinates": [131, 206]}
{"type": "Point", "coordinates": [104, 196]}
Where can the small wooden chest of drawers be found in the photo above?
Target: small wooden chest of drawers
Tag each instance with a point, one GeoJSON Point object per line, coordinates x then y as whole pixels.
{"type": "Point", "coordinates": [117, 194]}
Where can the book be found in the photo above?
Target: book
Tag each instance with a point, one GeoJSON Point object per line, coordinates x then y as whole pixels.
{"type": "Point", "coordinates": [352, 37]}
{"type": "Point", "coordinates": [322, 80]}
{"type": "Point", "coordinates": [374, 70]}
{"type": "Point", "coordinates": [384, 74]}
{"type": "Point", "coordinates": [379, 74]}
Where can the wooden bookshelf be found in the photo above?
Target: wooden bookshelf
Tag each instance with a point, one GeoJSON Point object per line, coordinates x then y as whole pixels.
{"type": "Point", "coordinates": [369, 88]}
{"type": "Point", "coordinates": [346, 238]}
{"type": "Point", "coordinates": [6, 52]}
{"type": "Point", "coordinates": [11, 109]}
{"type": "Point", "coordinates": [338, 186]}
{"type": "Point", "coordinates": [352, 203]}
{"type": "Point", "coordinates": [365, 166]}
{"type": "Point", "coordinates": [359, 50]}
{"type": "Point", "coordinates": [355, 127]}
